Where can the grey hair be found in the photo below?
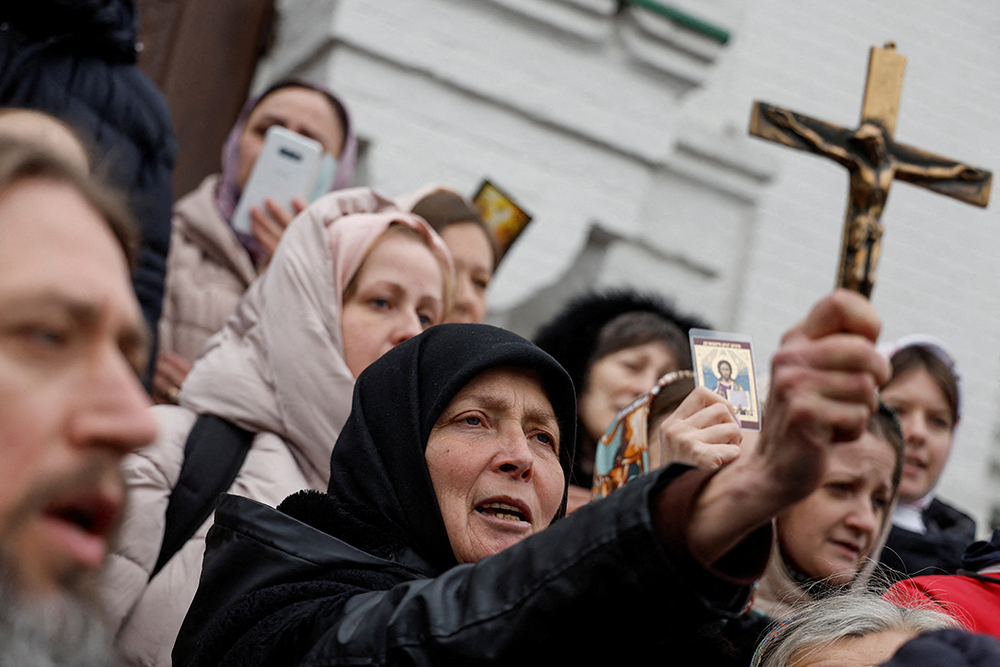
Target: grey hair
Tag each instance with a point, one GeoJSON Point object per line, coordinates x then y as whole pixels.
{"type": "Point", "coordinates": [64, 629]}
{"type": "Point", "coordinates": [821, 622]}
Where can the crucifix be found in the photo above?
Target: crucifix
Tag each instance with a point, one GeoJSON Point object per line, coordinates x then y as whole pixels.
{"type": "Point", "coordinates": [873, 159]}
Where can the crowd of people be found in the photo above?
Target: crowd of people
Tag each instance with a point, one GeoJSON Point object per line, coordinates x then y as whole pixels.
{"type": "Point", "coordinates": [344, 465]}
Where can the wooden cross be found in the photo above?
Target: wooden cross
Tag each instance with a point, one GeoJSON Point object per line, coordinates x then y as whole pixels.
{"type": "Point", "coordinates": [873, 160]}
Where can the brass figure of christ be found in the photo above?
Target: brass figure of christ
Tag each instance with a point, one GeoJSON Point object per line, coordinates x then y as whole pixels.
{"type": "Point", "coordinates": [873, 160]}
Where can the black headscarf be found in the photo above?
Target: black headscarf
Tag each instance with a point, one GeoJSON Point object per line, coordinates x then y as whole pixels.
{"type": "Point", "coordinates": [378, 462]}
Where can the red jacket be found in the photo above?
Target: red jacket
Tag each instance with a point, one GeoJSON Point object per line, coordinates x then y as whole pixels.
{"type": "Point", "coordinates": [973, 599]}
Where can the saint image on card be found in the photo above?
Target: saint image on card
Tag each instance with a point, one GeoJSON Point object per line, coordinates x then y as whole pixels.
{"type": "Point", "coordinates": [504, 217]}
{"type": "Point", "coordinates": [723, 363]}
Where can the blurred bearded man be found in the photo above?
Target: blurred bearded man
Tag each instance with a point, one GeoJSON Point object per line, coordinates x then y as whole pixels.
{"type": "Point", "coordinates": [72, 345]}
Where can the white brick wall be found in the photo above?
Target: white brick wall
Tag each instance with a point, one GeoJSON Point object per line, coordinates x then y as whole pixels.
{"type": "Point", "coordinates": [933, 276]}
{"type": "Point", "coordinates": [622, 119]}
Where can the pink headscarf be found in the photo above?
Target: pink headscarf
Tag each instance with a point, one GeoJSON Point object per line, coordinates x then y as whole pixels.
{"type": "Point", "coordinates": [278, 365]}
{"type": "Point", "coordinates": [227, 192]}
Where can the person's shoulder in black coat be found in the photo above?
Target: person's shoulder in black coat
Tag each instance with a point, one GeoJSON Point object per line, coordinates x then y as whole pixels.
{"type": "Point", "coordinates": [948, 648]}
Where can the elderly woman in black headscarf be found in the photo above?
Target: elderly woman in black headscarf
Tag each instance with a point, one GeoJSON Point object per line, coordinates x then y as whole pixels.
{"type": "Point", "coordinates": [433, 543]}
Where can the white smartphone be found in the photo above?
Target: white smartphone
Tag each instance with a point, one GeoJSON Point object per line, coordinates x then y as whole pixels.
{"type": "Point", "coordinates": [286, 168]}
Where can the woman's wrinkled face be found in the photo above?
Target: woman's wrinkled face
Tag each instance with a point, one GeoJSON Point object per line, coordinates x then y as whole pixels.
{"type": "Point", "coordinates": [473, 256]}
{"type": "Point", "coordinates": [829, 534]}
{"type": "Point", "coordinates": [617, 379]}
{"type": "Point", "coordinates": [493, 458]}
{"type": "Point", "coordinates": [303, 110]}
{"type": "Point", "coordinates": [926, 419]}
{"type": "Point", "coordinates": [398, 292]}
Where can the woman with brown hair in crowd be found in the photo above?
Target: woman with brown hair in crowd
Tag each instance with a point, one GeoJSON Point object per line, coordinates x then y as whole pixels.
{"type": "Point", "coordinates": [472, 245]}
{"type": "Point", "coordinates": [928, 535]}
{"type": "Point", "coordinates": [615, 345]}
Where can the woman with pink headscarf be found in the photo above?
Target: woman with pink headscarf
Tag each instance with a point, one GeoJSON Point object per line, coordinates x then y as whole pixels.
{"type": "Point", "coordinates": [210, 264]}
{"type": "Point", "coordinates": [352, 278]}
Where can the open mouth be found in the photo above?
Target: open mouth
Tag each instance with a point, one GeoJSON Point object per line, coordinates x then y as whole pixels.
{"type": "Point", "coordinates": [92, 513]}
{"type": "Point", "coordinates": [80, 526]}
{"type": "Point", "coordinates": [503, 511]}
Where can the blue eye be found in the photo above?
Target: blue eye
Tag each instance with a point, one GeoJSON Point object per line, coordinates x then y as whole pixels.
{"type": "Point", "coordinates": [472, 420]}
{"type": "Point", "coordinates": [45, 336]}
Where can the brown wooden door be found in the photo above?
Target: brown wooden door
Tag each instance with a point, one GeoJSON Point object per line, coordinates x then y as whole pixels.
{"type": "Point", "coordinates": [202, 54]}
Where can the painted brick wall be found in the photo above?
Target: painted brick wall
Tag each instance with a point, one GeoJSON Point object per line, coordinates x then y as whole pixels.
{"type": "Point", "coordinates": [934, 275]}
{"type": "Point", "coordinates": [594, 115]}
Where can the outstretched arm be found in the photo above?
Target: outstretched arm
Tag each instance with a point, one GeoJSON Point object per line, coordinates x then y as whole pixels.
{"type": "Point", "coordinates": [825, 379]}
{"type": "Point", "coordinates": [784, 119]}
{"type": "Point", "coordinates": [942, 172]}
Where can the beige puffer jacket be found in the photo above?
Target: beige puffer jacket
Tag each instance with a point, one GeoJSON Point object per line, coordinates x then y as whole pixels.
{"type": "Point", "coordinates": [208, 269]}
{"type": "Point", "coordinates": [281, 350]}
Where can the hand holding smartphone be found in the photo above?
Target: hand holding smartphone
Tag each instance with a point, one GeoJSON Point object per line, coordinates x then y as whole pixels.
{"type": "Point", "coordinates": [287, 167]}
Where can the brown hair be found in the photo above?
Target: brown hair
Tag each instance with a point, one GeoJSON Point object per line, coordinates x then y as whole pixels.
{"type": "Point", "coordinates": [669, 399]}
{"type": "Point", "coordinates": [442, 209]}
{"type": "Point", "coordinates": [20, 160]}
{"type": "Point", "coordinates": [915, 358]}
{"type": "Point", "coordinates": [42, 124]}
{"type": "Point", "coordinates": [638, 328]}
{"type": "Point", "coordinates": [883, 424]}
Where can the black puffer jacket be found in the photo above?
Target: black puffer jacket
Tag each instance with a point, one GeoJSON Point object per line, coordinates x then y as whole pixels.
{"type": "Point", "coordinates": [365, 574]}
{"type": "Point", "coordinates": [75, 59]}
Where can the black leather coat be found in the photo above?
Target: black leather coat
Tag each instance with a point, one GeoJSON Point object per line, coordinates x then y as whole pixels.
{"type": "Point", "coordinates": [595, 588]}
{"type": "Point", "coordinates": [365, 574]}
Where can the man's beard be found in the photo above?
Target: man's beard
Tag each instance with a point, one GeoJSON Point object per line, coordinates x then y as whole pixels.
{"type": "Point", "coordinates": [64, 629]}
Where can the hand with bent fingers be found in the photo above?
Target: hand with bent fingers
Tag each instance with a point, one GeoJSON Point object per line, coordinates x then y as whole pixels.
{"type": "Point", "coordinates": [268, 226]}
{"type": "Point", "coordinates": [171, 369]}
{"type": "Point", "coordinates": [824, 387]}
{"type": "Point", "coordinates": [703, 431]}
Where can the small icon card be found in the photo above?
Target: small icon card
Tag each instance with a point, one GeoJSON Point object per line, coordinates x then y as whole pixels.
{"type": "Point", "coordinates": [501, 214]}
{"type": "Point", "coordinates": [723, 363]}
